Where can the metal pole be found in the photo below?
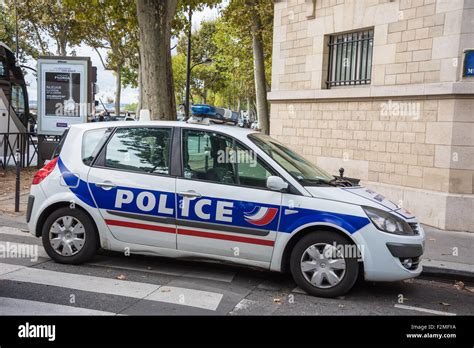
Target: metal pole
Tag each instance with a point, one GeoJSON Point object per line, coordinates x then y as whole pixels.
{"type": "Point", "coordinates": [188, 67]}
{"type": "Point", "coordinates": [16, 34]}
{"type": "Point", "coordinates": [17, 181]}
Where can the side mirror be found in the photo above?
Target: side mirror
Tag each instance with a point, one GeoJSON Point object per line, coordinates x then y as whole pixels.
{"type": "Point", "coordinates": [276, 183]}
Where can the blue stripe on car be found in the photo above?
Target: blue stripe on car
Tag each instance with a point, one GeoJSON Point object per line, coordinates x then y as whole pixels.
{"type": "Point", "coordinates": [106, 200]}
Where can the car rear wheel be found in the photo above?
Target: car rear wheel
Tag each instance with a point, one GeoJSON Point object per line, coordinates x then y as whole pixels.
{"type": "Point", "coordinates": [320, 265]}
{"type": "Point", "coordinates": [69, 236]}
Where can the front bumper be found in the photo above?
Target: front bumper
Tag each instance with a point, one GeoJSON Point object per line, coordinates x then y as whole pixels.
{"type": "Point", "coordinates": [390, 257]}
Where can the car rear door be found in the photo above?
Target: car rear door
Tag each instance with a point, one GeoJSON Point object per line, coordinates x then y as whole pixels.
{"type": "Point", "coordinates": [224, 207]}
{"type": "Point", "coordinates": [132, 186]}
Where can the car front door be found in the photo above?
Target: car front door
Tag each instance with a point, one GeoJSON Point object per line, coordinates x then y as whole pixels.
{"type": "Point", "coordinates": [224, 206]}
{"type": "Point", "coordinates": [131, 184]}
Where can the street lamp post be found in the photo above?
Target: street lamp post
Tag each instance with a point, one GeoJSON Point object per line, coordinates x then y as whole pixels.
{"type": "Point", "coordinates": [188, 66]}
{"type": "Point", "coordinates": [206, 61]}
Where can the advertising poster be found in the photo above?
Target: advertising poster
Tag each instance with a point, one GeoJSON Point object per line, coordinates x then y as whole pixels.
{"type": "Point", "coordinates": [62, 95]}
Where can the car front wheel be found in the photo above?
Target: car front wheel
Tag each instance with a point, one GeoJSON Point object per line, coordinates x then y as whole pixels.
{"type": "Point", "coordinates": [69, 236]}
{"type": "Point", "coordinates": [321, 266]}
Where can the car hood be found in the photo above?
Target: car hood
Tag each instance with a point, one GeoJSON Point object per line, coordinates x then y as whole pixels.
{"type": "Point", "coordinates": [358, 195]}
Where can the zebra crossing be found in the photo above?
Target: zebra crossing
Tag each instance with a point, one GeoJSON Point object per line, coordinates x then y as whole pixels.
{"type": "Point", "coordinates": [110, 285]}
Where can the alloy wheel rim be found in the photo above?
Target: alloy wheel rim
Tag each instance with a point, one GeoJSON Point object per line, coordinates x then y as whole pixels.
{"type": "Point", "coordinates": [67, 236]}
{"type": "Point", "coordinates": [323, 265]}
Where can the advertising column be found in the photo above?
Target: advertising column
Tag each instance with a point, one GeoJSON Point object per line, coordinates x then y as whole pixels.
{"type": "Point", "coordinates": [62, 94]}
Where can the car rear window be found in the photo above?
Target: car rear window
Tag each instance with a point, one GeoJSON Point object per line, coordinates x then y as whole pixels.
{"type": "Point", "coordinates": [92, 142]}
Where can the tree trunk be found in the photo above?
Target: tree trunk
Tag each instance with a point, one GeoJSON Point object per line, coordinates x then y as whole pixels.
{"type": "Point", "coordinates": [118, 90]}
{"type": "Point", "coordinates": [157, 88]}
{"type": "Point", "coordinates": [259, 73]}
{"type": "Point", "coordinates": [62, 45]}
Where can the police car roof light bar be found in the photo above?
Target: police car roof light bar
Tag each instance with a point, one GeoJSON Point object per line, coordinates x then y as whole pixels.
{"type": "Point", "coordinates": [205, 114]}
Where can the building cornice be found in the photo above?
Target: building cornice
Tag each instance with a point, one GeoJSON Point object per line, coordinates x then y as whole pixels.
{"type": "Point", "coordinates": [396, 91]}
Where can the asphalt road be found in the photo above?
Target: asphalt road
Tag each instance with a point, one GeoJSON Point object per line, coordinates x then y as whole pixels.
{"type": "Point", "coordinates": [137, 285]}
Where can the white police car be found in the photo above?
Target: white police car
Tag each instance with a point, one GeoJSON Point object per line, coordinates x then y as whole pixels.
{"type": "Point", "coordinates": [188, 190]}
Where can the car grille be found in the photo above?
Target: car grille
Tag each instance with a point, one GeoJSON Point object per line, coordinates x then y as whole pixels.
{"type": "Point", "coordinates": [415, 227]}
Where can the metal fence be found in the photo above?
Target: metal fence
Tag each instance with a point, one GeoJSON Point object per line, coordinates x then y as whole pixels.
{"type": "Point", "coordinates": [25, 143]}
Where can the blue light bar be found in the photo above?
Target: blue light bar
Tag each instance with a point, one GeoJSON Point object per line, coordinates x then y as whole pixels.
{"type": "Point", "coordinates": [214, 113]}
{"type": "Point", "coordinates": [203, 110]}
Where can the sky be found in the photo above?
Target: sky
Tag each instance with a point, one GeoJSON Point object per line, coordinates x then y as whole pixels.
{"type": "Point", "coordinates": [106, 78]}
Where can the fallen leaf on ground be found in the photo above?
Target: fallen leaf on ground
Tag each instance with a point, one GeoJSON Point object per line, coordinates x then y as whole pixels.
{"type": "Point", "coordinates": [444, 304]}
{"type": "Point", "coordinates": [469, 289]}
{"type": "Point", "coordinates": [121, 277]}
{"type": "Point", "coordinates": [277, 300]}
{"type": "Point", "coordinates": [432, 239]}
{"type": "Point", "coordinates": [459, 285]}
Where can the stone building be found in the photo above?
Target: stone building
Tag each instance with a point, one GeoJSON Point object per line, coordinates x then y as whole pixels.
{"type": "Point", "coordinates": [378, 87]}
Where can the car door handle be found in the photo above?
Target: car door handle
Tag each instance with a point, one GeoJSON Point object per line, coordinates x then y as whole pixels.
{"type": "Point", "coordinates": [189, 193]}
{"type": "Point", "coordinates": [106, 185]}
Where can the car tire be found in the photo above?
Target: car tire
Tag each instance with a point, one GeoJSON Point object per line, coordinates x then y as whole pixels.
{"type": "Point", "coordinates": [333, 279]}
{"type": "Point", "coordinates": [79, 239]}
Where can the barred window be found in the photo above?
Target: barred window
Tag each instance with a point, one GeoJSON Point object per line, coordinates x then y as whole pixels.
{"type": "Point", "coordinates": [350, 58]}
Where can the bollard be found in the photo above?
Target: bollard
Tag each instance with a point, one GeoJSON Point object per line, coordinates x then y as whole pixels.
{"type": "Point", "coordinates": [17, 182]}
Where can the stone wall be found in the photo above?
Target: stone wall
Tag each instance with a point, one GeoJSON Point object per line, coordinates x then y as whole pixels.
{"type": "Point", "coordinates": [415, 41]}
{"type": "Point", "coordinates": [432, 151]}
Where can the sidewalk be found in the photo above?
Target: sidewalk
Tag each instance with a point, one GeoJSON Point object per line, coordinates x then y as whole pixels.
{"type": "Point", "coordinates": [448, 254]}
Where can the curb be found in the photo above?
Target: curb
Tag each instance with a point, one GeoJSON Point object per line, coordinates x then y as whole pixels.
{"type": "Point", "coordinates": [448, 270]}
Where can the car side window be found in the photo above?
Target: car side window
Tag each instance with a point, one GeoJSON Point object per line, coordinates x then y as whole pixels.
{"type": "Point", "coordinates": [92, 142]}
{"type": "Point", "coordinates": [215, 157]}
{"type": "Point", "coordinates": [202, 156]}
{"type": "Point", "coordinates": [140, 150]}
{"type": "Point", "coordinates": [251, 170]}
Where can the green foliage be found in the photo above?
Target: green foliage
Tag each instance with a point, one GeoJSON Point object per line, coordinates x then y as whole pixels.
{"type": "Point", "coordinates": [46, 20]}
{"type": "Point", "coordinates": [179, 74]}
{"type": "Point", "coordinates": [238, 15]}
{"type": "Point", "coordinates": [111, 25]}
{"type": "Point", "coordinates": [181, 19]}
{"type": "Point", "coordinates": [8, 33]}
{"type": "Point", "coordinates": [132, 107]}
{"type": "Point", "coordinates": [229, 81]}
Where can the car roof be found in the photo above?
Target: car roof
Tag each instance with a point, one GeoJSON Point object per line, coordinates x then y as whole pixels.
{"type": "Point", "coordinates": [225, 128]}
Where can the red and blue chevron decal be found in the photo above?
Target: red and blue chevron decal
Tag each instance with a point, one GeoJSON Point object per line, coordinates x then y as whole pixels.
{"type": "Point", "coordinates": [261, 216]}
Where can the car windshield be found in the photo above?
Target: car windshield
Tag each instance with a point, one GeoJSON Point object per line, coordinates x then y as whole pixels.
{"type": "Point", "coordinates": [301, 169]}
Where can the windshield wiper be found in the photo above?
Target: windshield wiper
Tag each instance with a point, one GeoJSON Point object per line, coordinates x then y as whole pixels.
{"type": "Point", "coordinates": [316, 182]}
{"type": "Point", "coordinates": [337, 181]}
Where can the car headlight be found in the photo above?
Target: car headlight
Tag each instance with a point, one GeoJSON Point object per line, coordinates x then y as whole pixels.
{"type": "Point", "coordinates": [386, 222]}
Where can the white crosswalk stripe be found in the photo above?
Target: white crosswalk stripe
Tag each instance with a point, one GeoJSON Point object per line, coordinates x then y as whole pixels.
{"type": "Point", "coordinates": [145, 291]}
{"type": "Point", "coordinates": [187, 297]}
{"type": "Point", "coordinates": [24, 250]}
{"type": "Point", "coordinates": [13, 306]}
{"type": "Point", "coordinates": [217, 275]}
{"type": "Point", "coordinates": [8, 268]}
{"type": "Point", "coordinates": [15, 232]}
